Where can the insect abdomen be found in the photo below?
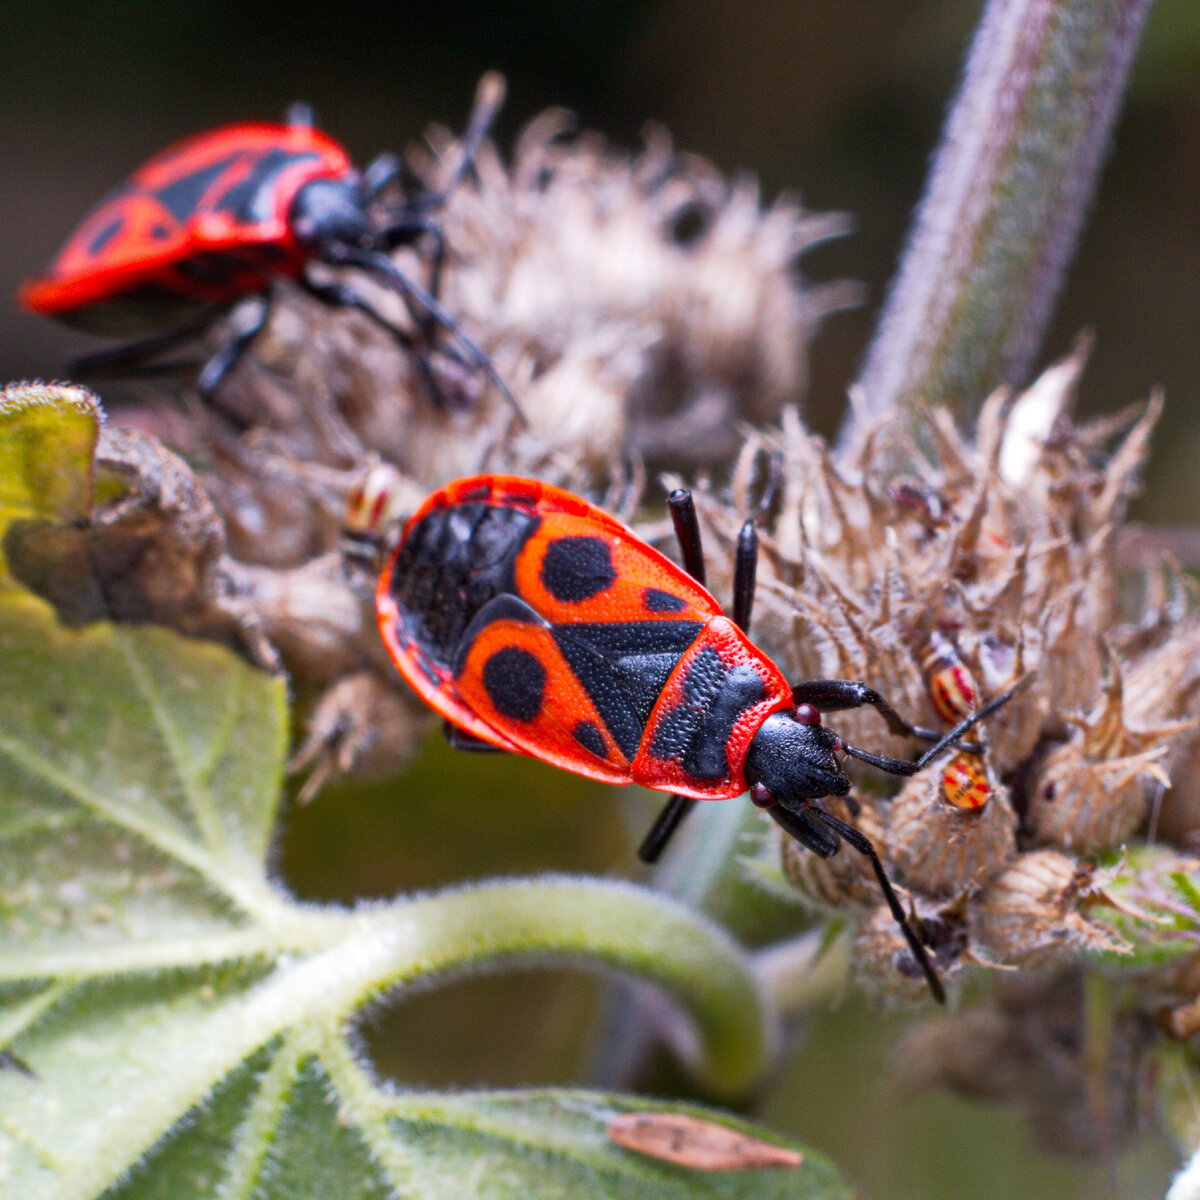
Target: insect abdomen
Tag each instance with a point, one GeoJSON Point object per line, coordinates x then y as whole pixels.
{"type": "Point", "coordinates": [451, 563]}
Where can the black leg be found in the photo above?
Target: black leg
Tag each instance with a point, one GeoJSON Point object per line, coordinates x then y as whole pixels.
{"type": "Point", "coordinates": [341, 295]}
{"type": "Point", "coordinates": [863, 845]}
{"type": "Point", "coordinates": [406, 231]}
{"type": "Point", "coordinates": [381, 173]}
{"type": "Point", "coordinates": [807, 831]}
{"type": "Point", "coordinates": [838, 695]}
{"type": "Point", "coordinates": [489, 96]}
{"type": "Point", "coordinates": [671, 817]}
{"type": "Point", "coordinates": [745, 567]}
{"type": "Point", "coordinates": [460, 739]}
{"type": "Point", "coordinates": [900, 766]}
{"type": "Point", "coordinates": [121, 359]}
{"type": "Point", "coordinates": [687, 531]}
{"type": "Point", "coordinates": [249, 317]}
{"type": "Point", "coordinates": [382, 267]}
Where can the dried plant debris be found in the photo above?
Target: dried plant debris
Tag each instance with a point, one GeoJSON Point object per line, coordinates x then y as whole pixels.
{"type": "Point", "coordinates": [943, 573]}
{"type": "Point", "coordinates": [692, 1142]}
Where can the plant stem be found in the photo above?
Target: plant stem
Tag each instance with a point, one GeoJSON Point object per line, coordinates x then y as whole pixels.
{"type": "Point", "coordinates": [1001, 214]}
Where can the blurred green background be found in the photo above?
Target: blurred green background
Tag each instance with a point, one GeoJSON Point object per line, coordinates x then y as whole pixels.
{"type": "Point", "coordinates": [841, 103]}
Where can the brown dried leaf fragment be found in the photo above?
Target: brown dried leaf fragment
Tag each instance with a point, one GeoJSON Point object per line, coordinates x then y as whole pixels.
{"type": "Point", "coordinates": [692, 1142]}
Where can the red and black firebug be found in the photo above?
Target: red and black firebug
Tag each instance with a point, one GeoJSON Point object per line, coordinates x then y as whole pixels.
{"type": "Point", "coordinates": [535, 622]}
{"type": "Point", "coordinates": [208, 223]}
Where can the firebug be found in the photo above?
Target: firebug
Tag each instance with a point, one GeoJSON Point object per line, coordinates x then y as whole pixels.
{"type": "Point", "coordinates": [206, 225]}
{"type": "Point", "coordinates": [535, 622]}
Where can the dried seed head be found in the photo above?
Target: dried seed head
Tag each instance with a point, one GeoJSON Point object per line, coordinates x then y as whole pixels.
{"type": "Point", "coordinates": [885, 962]}
{"type": "Point", "coordinates": [1093, 792]}
{"type": "Point", "coordinates": [1089, 805]}
{"type": "Point", "coordinates": [846, 879]}
{"type": "Point", "coordinates": [1033, 913]}
{"type": "Point", "coordinates": [942, 849]}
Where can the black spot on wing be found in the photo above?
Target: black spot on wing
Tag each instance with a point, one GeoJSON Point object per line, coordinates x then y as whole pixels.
{"type": "Point", "coordinates": [656, 600]}
{"type": "Point", "coordinates": [504, 607]}
{"type": "Point", "coordinates": [181, 197]}
{"type": "Point", "coordinates": [695, 733]}
{"type": "Point", "coordinates": [623, 667]}
{"type": "Point", "coordinates": [515, 683]}
{"type": "Point", "coordinates": [590, 738]}
{"type": "Point", "coordinates": [577, 568]}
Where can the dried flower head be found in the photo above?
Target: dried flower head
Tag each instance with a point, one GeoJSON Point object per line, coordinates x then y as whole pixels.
{"type": "Point", "coordinates": [940, 848]}
{"type": "Point", "coordinates": [944, 570]}
{"type": "Point", "coordinates": [885, 962]}
{"type": "Point", "coordinates": [1086, 1084]}
{"type": "Point", "coordinates": [1034, 913]}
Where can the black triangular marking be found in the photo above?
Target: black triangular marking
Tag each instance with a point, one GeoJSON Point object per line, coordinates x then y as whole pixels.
{"type": "Point", "coordinates": [181, 196]}
{"type": "Point", "coordinates": [623, 667]}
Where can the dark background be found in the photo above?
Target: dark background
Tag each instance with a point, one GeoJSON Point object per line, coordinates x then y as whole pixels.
{"type": "Point", "coordinates": [839, 102]}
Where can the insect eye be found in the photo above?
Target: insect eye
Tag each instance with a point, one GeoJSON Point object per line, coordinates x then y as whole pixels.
{"type": "Point", "coordinates": [760, 795]}
{"type": "Point", "coordinates": [806, 714]}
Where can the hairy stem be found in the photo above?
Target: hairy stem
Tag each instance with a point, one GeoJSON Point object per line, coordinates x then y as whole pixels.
{"type": "Point", "coordinates": [1001, 214]}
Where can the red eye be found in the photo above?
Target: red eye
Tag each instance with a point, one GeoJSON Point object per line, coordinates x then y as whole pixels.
{"type": "Point", "coordinates": [760, 795]}
{"type": "Point", "coordinates": [807, 715]}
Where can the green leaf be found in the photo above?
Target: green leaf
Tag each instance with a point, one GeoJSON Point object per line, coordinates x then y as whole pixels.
{"type": "Point", "coordinates": [47, 438]}
{"type": "Point", "coordinates": [186, 1020]}
{"type": "Point", "coordinates": [1149, 895]}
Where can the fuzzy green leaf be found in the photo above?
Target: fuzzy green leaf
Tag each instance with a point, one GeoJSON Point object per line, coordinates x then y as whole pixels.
{"type": "Point", "coordinates": [185, 1020]}
{"type": "Point", "coordinates": [48, 435]}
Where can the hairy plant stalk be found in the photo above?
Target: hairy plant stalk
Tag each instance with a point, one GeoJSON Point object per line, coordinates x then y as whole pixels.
{"type": "Point", "coordinates": [1001, 214]}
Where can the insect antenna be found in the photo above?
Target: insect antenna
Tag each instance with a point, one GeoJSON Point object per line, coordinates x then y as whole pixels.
{"type": "Point", "coordinates": [902, 766]}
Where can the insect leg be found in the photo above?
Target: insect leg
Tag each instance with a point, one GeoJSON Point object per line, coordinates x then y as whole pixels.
{"type": "Point", "coordinates": [802, 826]}
{"type": "Point", "coordinates": [248, 319]}
{"type": "Point", "coordinates": [837, 695]}
{"type": "Point", "coordinates": [900, 766]}
{"type": "Point", "coordinates": [489, 96]}
{"type": "Point", "coordinates": [655, 842]}
{"type": "Point", "coordinates": [687, 530]}
{"type": "Point", "coordinates": [382, 267]}
{"type": "Point", "coordinates": [381, 173]}
{"type": "Point", "coordinates": [864, 846]}
{"type": "Point", "coordinates": [340, 295]}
